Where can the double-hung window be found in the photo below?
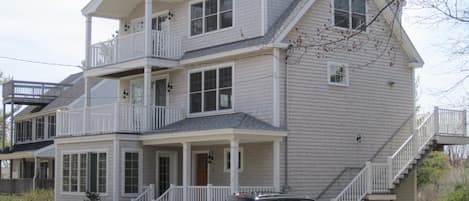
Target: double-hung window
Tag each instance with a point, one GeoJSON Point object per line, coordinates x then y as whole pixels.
{"type": "Point", "coordinates": [40, 128]}
{"type": "Point", "coordinates": [131, 172]}
{"type": "Point", "coordinates": [211, 90]}
{"type": "Point", "coordinates": [210, 15]}
{"type": "Point", "coordinates": [84, 172]}
{"type": "Point", "coordinates": [350, 14]}
{"type": "Point", "coordinates": [338, 74]}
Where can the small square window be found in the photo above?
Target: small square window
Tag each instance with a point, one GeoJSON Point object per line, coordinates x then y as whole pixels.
{"type": "Point", "coordinates": [338, 74]}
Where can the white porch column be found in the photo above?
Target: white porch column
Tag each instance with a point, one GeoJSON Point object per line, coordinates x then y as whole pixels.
{"type": "Point", "coordinates": [86, 104]}
{"type": "Point", "coordinates": [148, 28]}
{"type": "Point", "coordinates": [186, 169]}
{"type": "Point", "coordinates": [234, 161]}
{"type": "Point", "coordinates": [147, 97]}
{"type": "Point", "coordinates": [89, 27]}
{"type": "Point", "coordinates": [36, 168]}
{"type": "Point", "coordinates": [276, 165]}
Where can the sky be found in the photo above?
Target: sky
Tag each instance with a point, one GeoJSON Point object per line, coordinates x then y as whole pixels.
{"type": "Point", "coordinates": [54, 31]}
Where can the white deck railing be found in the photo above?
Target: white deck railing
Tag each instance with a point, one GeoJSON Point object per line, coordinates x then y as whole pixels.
{"type": "Point", "coordinates": [132, 46]}
{"type": "Point", "coordinates": [209, 192]}
{"type": "Point", "coordinates": [147, 195]}
{"type": "Point", "coordinates": [380, 177]}
{"type": "Point", "coordinates": [119, 117]}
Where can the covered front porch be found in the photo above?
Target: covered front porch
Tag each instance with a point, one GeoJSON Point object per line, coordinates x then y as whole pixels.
{"type": "Point", "coordinates": [199, 167]}
{"type": "Point", "coordinates": [27, 170]}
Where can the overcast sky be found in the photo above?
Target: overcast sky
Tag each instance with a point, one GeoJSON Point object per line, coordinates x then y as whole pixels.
{"type": "Point", "coordinates": [54, 31]}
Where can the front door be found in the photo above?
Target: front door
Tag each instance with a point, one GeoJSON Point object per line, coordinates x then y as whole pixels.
{"type": "Point", "coordinates": [159, 89]}
{"type": "Point", "coordinates": [201, 170]}
{"type": "Point", "coordinates": [137, 109]}
{"type": "Point", "coordinates": [166, 171]}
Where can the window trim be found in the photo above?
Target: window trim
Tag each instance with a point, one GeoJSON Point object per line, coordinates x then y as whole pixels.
{"type": "Point", "coordinates": [233, 89]}
{"type": "Point", "coordinates": [140, 171]}
{"type": "Point", "coordinates": [189, 12]}
{"type": "Point", "coordinates": [347, 74]}
{"type": "Point", "coordinates": [78, 152]}
{"type": "Point", "coordinates": [350, 17]}
{"type": "Point", "coordinates": [225, 160]}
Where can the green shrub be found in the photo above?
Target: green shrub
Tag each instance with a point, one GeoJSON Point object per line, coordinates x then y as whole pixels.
{"type": "Point", "coordinates": [433, 168]}
{"type": "Point", "coordinates": [461, 193]}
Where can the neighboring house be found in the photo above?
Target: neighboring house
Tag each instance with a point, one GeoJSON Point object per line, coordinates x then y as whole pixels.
{"type": "Point", "coordinates": [32, 154]}
{"type": "Point", "coordinates": [201, 80]}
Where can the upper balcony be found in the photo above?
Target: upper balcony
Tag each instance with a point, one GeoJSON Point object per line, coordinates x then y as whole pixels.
{"type": "Point", "coordinates": [132, 46]}
{"type": "Point", "coordinates": [31, 93]}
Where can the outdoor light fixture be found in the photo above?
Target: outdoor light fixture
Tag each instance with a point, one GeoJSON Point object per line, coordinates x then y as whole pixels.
{"type": "Point", "coordinates": [211, 157]}
{"type": "Point", "coordinates": [126, 27]}
{"type": "Point", "coordinates": [170, 87]}
{"type": "Point", "coordinates": [125, 94]}
{"type": "Point", "coordinates": [170, 15]}
{"type": "Point", "coordinates": [359, 139]}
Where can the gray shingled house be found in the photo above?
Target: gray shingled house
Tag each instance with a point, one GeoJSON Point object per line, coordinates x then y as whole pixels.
{"type": "Point", "coordinates": [217, 97]}
{"type": "Point", "coordinates": [31, 156]}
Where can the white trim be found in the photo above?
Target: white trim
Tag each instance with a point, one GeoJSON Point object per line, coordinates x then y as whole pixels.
{"type": "Point", "coordinates": [276, 88]}
{"type": "Point", "coordinates": [122, 171]}
{"type": "Point", "coordinates": [194, 166]}
{"type": "Point", "coordinates": [116, 147]}
{"type": "Point", "coordinates": [91, 7]}
{"type": "Point", "coordinates": [216, 67]}
{"type": "Point", "coordinates": [264, 16]}
{"type": "Point", "coordinates": [95, 138]}
{"type": "Point", "coordinates": [347, 73]}
{"type": "Point", "coordinates": [225, 159]}
{"type": "Point", "coordinates": [204, 33]}
{"type": "Point", "coordinates": [174, 168]}
{"type": "Point", "coordinates": [154, 77]}
{"type": "Point", "coordinates": [294, 21]}
{"type": "Point", "coordinates": [232, 53]}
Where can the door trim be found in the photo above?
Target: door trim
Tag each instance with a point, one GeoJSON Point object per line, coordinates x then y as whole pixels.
{"type": "Point", "coordinates": [173, 158]}
{"type": "Point", "coordinates": [194, 166]}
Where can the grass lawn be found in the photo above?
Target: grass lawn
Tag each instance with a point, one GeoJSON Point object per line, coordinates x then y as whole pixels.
{"type": "Point", "coordinates": [39, 195]}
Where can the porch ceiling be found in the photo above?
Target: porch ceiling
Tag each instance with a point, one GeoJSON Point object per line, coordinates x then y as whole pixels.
{"type": "Point", "coordinates": [114, 9]}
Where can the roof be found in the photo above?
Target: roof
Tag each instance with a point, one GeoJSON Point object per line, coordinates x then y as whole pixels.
{"type": "Point", "coordinates": [235, 121]}
{"type": "Point", "coordinates": [286, 24]}
{"type": "Point", "coordinates": [68, 96]}
{"type": "Point", "coordinates": [30, 146]}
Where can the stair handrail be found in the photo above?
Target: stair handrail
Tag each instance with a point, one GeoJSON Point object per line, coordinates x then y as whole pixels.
{"type": "Point", "coordinates": [147, 195]}
{"type": "Point", "coordinates": [389, 140]}
{"type": "Point", "coordinates": [334, 181]}
{"type": "Point", "coordinates": [363, 173]}
{"type": "Point", "coordinates": [166, 193]}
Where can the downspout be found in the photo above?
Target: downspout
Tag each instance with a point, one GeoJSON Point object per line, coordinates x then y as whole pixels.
{"type": "Point", "coordinates": [285, 105]}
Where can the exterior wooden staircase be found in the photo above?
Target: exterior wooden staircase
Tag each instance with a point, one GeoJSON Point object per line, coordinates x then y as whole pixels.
{"type": "Point", "coordinates": [442, 127]}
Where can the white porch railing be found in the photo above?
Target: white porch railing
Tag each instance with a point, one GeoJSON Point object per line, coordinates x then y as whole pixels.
{"type": "Point", "coordinates": [209, 192]}
{"type": "Point", "coordinates": [118, 117]}
{"type": "Point", "coordinates": [380, 177]}
{"type": "Point", "coordinates": [132, 46]}
{"type": "Point", "coordinates": [147, 195]}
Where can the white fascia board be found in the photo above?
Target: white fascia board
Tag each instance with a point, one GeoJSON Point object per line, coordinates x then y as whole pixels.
{"type": "Point", "coordinates": [398, 31]}
{"type": "Point", "coordinates": [91, 7]}
{"type": "Point", "coordinates": [233, 53]}
{"type": "Point", "coordinates": [401, 35]}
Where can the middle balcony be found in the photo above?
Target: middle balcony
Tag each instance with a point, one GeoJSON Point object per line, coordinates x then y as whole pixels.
{"type": "Point", "coordinates": [115, 118]}
{"type": "Point", "coordinates": [132, 46]}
